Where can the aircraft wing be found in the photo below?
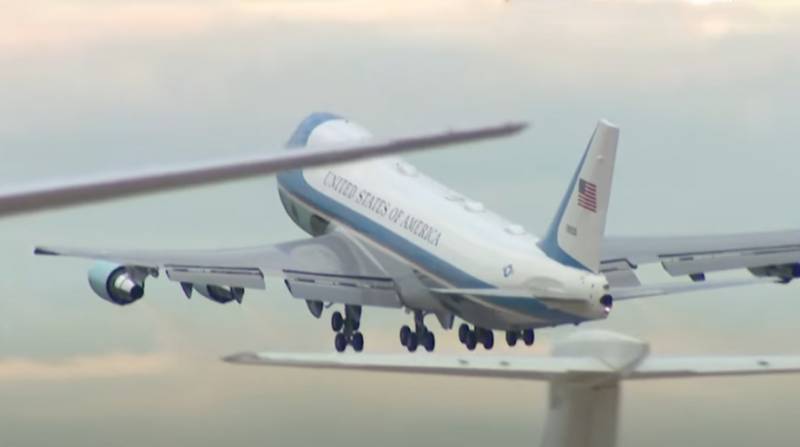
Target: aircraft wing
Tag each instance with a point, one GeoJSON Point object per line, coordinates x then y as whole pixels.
{"type": "Point", "coordinates": [332, 268]}
{"type": "Point", "coordinates": [676, 367]}
{"type": "Point", "coordinates": [772, 254]}
{"type": "Point", "coordinates": [532, 368]}
{"type": "Point", "coordinates": [644, 291]}
{"type": "Point", "coordinates": [129, 184]}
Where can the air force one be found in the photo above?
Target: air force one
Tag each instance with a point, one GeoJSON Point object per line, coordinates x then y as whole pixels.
{"type": "Point", "coordinates": [386, 235]}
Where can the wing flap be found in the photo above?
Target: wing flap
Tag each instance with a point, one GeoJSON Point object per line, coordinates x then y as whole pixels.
{"type": "Point", "coordinates": [251, 278]}
{"type": "Point", "coordinates": [688, 266]}
{"type": "Point", "coordinates": [361, 290]}
{"type": "Point", "coordinates": [534, 368]}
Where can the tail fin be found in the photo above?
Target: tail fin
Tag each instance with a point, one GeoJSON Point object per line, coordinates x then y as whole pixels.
{"type": "Point", "coordinates": [576, 233]}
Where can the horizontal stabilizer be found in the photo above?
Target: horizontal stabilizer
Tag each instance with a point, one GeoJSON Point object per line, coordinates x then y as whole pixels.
{"type": "Point", "coordinates": [162, 179]}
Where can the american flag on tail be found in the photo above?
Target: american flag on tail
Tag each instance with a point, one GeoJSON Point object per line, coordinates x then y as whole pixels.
{"type": "Point", "coordinates": [587, 195]}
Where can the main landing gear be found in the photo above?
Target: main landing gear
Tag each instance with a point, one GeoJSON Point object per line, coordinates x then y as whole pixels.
{"type": "Point", "coordinates": [346, 327]}
{"type": "Point", "coordinates": [420, 336]}
{"type": "Point", "coordinates": [527, 336]}
{"type": "Point", "coordinates": [472, 337]}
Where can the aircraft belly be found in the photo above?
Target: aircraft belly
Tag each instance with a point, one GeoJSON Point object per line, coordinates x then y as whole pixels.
{"type": "Point", "coordinates": [504, 317]}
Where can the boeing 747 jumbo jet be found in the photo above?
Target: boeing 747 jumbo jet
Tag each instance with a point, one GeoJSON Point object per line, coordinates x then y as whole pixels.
{"type": "Point", "coordinates": [386, 235]}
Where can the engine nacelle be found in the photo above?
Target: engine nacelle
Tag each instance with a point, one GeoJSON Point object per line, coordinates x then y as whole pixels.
{"type": "Point", "coordinates": [785, 272]}
{"type": "Point", "coordinates": [220, 294]}
{"type": "Point", "coordinates": [116, 283]}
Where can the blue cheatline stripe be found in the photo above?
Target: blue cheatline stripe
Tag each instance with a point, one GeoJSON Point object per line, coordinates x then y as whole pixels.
{"type": "Point", "coordinates": [549, 244]}
{"type": "Point", "coordinates": [295, 184]}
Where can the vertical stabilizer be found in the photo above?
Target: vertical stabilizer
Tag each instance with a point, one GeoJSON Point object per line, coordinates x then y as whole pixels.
{"type": "Point", "coordinates": [576, 233]}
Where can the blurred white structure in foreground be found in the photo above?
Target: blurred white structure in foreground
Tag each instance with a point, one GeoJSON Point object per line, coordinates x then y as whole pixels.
{"type": "Point", "coordinates": [584, 371]}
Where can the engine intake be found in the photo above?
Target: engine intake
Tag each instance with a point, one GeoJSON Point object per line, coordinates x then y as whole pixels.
{"type": "Point", "coordinates": [116, 283]}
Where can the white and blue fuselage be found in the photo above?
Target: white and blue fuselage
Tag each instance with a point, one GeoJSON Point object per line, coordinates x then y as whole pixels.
{"type": "Point", "coordinates": [452, 241]}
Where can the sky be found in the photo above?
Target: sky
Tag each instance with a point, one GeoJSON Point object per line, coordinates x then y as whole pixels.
{"type": "Point", "coordinates": [705, 93]}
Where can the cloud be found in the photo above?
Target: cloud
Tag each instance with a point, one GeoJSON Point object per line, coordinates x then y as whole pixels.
{"type": "Point", "coordinates": [48, 25]}
{"type": "Point", "coordinates": [85, 367]}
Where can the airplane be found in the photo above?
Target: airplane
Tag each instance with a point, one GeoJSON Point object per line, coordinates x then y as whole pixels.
{"type": "Point", "coordinates": [584, 373]}
{"type": "Point", "coordinates": [386, 235]}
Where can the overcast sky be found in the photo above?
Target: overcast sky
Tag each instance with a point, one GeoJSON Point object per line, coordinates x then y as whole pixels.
{"type": "Point", "coordinates": [705, 93]}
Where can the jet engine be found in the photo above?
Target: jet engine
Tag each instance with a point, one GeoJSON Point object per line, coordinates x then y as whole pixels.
{"type": "Point", "coordinates": [785, 272]}
{"type": "Point", "coordinates": [220, 294]}
{"type": "Point", "coordinates": [116, 283]}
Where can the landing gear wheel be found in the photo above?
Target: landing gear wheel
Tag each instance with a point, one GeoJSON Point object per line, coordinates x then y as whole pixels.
{"type": "Point", "coordinates": [340, 342]}
{"type": "Point", "coordinates": [471, 341]}
{"type": "Point", "coordinates": [337, 321]}
{"type": "Point", "coordinates": [429, 341]}
{"type": "Point", "coordinates": [463, 330]}
{"type": "Point", "coordinates": [413, 341]}
{"type": "Point", "coordinates": [528, 337]}
{"type": "Point", "coordinates": [488, 339]}
{"type": "Point", "coordinates": [355, 324]}
{"type": "Point", "coordinates": [511, 337]}
{"type": "Point", "coordinates": [405, 333]}
{"type": "Point", "coordinates": [358, 342]}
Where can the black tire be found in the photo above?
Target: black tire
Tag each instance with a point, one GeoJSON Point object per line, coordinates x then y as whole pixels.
{"type": "Point", "coordinates": [340, 342]}
{"type": "Point", "coordinates": [355, 324]}
{"type": "Point", "coordinates": [528, 337]}
{"type": "Point", "coordinates": [405, 333]}
{"type": "Point", "coordinates": [463, 330]}
{"type": "Point", "coordinates": [511, 337]}
{"type": "Point", "coordinates": [429, 341]}
{"type": "Point", "coordinates": [337, 321]}
{"type": "Point", "coordinates": [358, 342]}
{"type": "Point", "coordinates": [488, 339]}
{"type": "Point", "coordinates": [471, 341]}
{"type": "Point", "coordinates": [413, 342]}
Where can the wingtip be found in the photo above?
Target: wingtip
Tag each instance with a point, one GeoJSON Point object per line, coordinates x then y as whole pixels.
{"type": "Point", "coordinates": [241, 357]}
{"type": "Point", "coordinates": [41, 251]}
{"type": "Point", "coordinates": [519, 126]}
